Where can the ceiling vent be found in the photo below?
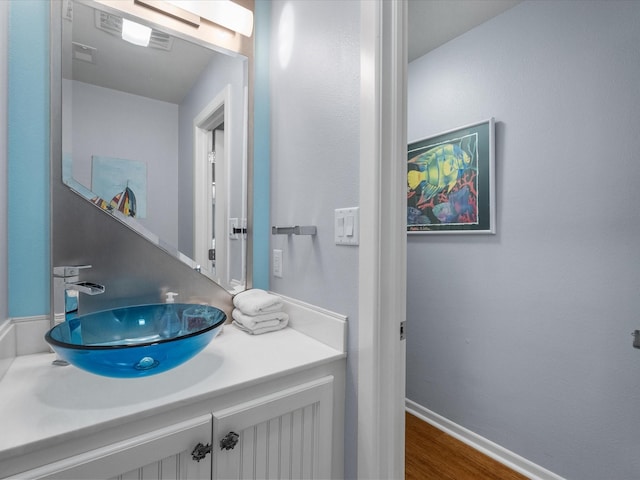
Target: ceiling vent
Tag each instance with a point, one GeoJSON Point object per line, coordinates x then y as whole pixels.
{"type": "Point", "coordinates": [112, 24]}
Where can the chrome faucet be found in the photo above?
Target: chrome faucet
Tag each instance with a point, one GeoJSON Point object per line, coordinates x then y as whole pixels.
{"type": "Point", "coordinates": [66, 289]}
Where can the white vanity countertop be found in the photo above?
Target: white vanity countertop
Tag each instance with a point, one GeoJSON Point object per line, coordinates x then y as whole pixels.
{"type": "Point", "coordinates": [41, 404]}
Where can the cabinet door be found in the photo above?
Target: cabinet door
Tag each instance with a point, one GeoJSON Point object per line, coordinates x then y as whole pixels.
{"type": "Point", "coordinates": [284, 435]}
{"type": "Point", "coordinates": [160, 455]}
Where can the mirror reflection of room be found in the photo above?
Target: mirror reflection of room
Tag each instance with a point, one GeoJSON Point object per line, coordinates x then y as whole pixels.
{"type": "Point", "coordinates": [129, 145]}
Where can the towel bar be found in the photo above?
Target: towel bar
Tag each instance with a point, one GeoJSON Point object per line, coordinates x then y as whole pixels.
{"type": "Point", "coordinates": [297, 230]}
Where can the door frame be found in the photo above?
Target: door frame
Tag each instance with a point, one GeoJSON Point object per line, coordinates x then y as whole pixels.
{"type": "Point", "coordinates": [382, 256]}
{"type": "Point", "coordinates": [218, 110]}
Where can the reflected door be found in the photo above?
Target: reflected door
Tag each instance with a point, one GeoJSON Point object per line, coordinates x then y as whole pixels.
{"type": "Point", "coordinates": [216, 232]}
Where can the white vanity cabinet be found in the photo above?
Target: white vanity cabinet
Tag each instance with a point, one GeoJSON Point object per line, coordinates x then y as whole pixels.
{"type": "Point", "coordinates": [284, 435]}
{"type": "Point", "coordinates": [282, 395]}
{"type": "Point", "coordinates": [163, 454]}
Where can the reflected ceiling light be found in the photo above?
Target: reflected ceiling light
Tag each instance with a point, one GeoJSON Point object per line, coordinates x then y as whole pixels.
{"type": "Point", "coordinates": [286, 34]}
{"type": "Point", "coordinates": [112, 24]}
{"type": "Point", "coordinates": [223, 12]}
{"type": "Point", "coordinates": [135, 33]}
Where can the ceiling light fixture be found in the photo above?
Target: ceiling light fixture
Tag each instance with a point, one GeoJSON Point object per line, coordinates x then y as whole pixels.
{"type": "Point", "coordinates": [135, 33]}
{"type": "Point", "coordinates": [223, 12]}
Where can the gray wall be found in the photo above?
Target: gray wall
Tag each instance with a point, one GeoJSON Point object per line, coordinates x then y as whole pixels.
{"type": "Point", "coordinates": [147, 133]}
{"type": "Point", "coordinates": [524, 337]}
{"type": "Point", "coordinates": [4, 38]}
{"type": "Point", "coordinates": [314, 163]}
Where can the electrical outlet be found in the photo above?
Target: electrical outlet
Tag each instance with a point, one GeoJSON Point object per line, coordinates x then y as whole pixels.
{"type": "Point", "coordinates": [277, 263]}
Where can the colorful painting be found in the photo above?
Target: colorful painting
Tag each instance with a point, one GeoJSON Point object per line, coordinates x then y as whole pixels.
{"type": "Point", "coordinates": [121, 183]}
{"type": "Point", "coordinates": [450, 182]}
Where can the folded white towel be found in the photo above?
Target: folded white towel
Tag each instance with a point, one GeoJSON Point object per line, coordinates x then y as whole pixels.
{"type": "Point", "coordinates": [259, 330]}
{"type": "Point", "coordinates": [256, 302]}
{"type": "Point", "coordinates": [263, 320]}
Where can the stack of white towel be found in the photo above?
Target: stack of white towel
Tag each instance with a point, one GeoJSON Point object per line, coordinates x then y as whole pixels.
{"type": "Point", "coordinates": [257, 311]}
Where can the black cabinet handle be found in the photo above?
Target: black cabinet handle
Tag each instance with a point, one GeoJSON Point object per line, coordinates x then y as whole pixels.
{"type": "Point", "coordinates": [200, 451]}
{"type": "Point", "coordinates": [229, 441]}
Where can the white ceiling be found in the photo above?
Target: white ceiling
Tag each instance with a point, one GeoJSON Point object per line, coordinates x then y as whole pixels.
{"type": "Point", "coordinates": [163, 75]}
{"type": "Point", "coordinates": [168, 76]}
{"type": "Point", "coordinates": [434, 22]}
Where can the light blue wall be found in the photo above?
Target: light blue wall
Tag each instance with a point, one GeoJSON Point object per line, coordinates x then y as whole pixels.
{"type": "Point", "coordinates": [261, 147]}
{"type": "Point", "coordinates": [524, 337]}
{"type": "Point", "coordinates": [4, 40]}
{"type": "Point", "coordinates": [28, 158]}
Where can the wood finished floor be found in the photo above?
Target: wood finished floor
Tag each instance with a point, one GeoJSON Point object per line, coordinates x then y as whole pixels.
{"type": "Point", "coordinates": [431, 454]}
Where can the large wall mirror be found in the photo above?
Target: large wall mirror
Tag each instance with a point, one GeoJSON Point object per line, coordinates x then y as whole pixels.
{"type": "Point", "coordinates": [155, 135]}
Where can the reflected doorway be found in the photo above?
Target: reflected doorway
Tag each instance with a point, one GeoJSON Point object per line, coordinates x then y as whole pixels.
{"type": "Point", "coordinates": [211, 195]}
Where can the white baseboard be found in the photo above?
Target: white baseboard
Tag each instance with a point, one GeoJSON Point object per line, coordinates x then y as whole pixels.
{"type": "Point", "coordinates": [493, 450]}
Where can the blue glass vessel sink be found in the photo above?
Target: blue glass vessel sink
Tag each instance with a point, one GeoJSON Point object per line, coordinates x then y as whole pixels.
{"type": "Point", "coordinates": [136, 341]}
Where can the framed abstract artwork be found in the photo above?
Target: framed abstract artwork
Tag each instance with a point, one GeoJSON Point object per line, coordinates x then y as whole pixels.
{"type": "Point", "coordinates": [450, 181]}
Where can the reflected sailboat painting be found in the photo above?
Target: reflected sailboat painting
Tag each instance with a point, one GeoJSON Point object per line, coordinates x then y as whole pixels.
{"type": "Point", "coordinates": [121, 180]}
{"type": "Point", "coordinates": [125, 202]}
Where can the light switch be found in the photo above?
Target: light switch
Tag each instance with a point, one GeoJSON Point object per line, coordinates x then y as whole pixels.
{"type": "Point", "coordinates": [347, 226]}
{"type": "Point", "coordinates": [340, 226]}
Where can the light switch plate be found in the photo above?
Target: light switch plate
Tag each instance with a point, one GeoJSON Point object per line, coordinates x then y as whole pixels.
{"type": "Point", "coordinates": [347, 226]}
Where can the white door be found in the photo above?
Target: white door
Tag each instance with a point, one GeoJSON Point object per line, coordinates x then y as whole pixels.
{"type": "Point", "coordinates": [286, 435]}
{"type": "Point", "coordinates": [215, 229]}
{"type": "Point", "coordinates": [164, 454]}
